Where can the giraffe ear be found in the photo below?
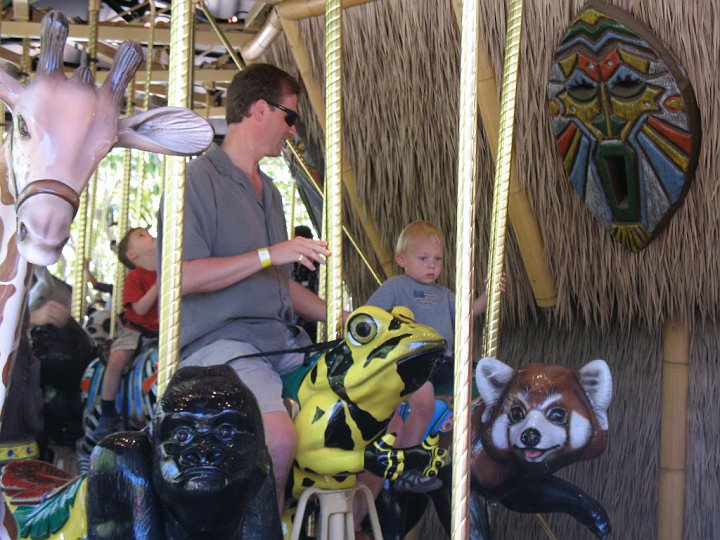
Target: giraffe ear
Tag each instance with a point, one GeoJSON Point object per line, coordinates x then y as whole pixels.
{"type": "Point", "coordinates": [167, 130]}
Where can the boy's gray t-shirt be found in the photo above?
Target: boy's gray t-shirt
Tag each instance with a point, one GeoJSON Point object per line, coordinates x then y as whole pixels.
{"type": "Point", "coordinates": [433, 305]}
{"type": "Point", "coordinates": [224, 216]}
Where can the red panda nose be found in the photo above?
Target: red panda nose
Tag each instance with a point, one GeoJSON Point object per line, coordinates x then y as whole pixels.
{"type": "Point", "coordinates": [530, 437]}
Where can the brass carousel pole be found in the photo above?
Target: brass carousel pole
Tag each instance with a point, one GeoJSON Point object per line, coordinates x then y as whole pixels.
{"type": "Point", "coordinates": [145, 107]}
{"type": "Point", "coordinates": [333, 166]}
{"type": "Point", "coordinates": [181, 50]}
{"type": "Point", "coordinates": [83, 215]}
{"type": "Point", "coordinates": [502, 176]}
{"type": "Point", "coordinates": [123, 220]}
{"type": "Point", "coordinates": [501, 188]}
{"type": "Point", "coordinates": [464, 272]}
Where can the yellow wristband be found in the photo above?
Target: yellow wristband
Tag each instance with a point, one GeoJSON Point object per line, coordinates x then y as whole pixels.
{"type": "Point", "coordinates": [264, 255]}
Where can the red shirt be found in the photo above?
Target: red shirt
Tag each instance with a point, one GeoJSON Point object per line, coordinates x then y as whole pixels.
{"type": "Point", "coordinates": [137, 282]}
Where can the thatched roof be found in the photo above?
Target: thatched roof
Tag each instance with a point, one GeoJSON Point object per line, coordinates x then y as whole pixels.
{"type": "Point", "coordinates": [401, 61]}
{"type": "Point", "coordinates": [401, 64]}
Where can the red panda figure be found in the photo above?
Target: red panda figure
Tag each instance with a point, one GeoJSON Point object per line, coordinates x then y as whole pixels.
{"type": "Point", "coordinates": [533, 421]}
{"type": "Point", "coordinates": [526, 424]}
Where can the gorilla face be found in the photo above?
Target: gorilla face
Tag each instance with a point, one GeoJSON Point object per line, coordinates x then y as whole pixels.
{"type": "Point", "coordinates": [206, 451]}
{"type": "Point", "coordinates": [209, 449]}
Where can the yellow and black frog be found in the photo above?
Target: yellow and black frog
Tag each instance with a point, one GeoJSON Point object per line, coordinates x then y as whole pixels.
{"type": "Point", "coordinates": [348, 395]}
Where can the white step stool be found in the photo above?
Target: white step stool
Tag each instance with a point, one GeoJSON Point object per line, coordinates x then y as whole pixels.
{"type": "Point", "coordinates": [336, 513]}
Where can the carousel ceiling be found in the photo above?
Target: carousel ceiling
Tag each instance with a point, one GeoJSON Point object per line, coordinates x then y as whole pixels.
{"type": "Point", "coordinates": [120, 20]}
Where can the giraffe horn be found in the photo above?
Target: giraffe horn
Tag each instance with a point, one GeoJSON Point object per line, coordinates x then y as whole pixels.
{"type": "Point", "coordinates": [53, 34]}
{"type": "Point", "coordinates": [127, 60]}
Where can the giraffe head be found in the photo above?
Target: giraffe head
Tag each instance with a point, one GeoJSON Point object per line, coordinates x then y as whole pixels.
{"type": "Point", "coordinates": [63, 127]}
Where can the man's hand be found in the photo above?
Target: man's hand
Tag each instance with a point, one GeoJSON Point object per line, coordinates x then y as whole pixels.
{"type": "Point", "coordinates": [303, 250]}
{"type": "Point", "coordinates": [51, 312]}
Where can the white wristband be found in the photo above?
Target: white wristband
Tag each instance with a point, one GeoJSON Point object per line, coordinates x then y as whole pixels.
{"type": "Point", "coordinates": [264, 255]}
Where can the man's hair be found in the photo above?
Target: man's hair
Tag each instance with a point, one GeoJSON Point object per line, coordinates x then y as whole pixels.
{"type": "Point", "coordinates": [123, 248]}
{"type": "Point", "coordinates": [418, 229]}
{"type": "Point", "coordinates": [258, 81]}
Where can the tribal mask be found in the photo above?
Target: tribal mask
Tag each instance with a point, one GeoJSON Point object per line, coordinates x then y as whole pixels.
{"type": "Point", "coordinates": [626, 122]}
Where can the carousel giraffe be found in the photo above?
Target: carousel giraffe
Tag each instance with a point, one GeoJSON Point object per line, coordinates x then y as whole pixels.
{"type": "Point", "coordinates": [62, 128]}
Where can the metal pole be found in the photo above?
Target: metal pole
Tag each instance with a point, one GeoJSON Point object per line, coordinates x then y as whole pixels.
{"type": "Point", "coordinates": [333, 164]}
{"type": "Point", "coordinates": [181, 52]}
{"type": "Point", "coordinates": [465, 270]}
{"type": "Point", "coordinates": [84, 212]}
{"type": "Point", "coordinates": [502, 176]}
{"type": "Point", "coordinates": [123, 220]}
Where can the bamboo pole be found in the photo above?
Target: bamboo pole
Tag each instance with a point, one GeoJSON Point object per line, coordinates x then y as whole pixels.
{"type": "Point", "coordinates": [333, 166]}
{"type": "Point", "coordinates": [673, 429]}
{"type": "Point", "coordinates": [304, 9]}
{"type": "Point", "coordinates": [464, 271]}
{"type": "Point", "coordinates": [181, 56]}
{"type": "Point", "coordinates": [523, 220]}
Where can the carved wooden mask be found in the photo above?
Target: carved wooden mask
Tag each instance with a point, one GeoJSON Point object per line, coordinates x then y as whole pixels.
{"type": "Point", "coordinates": [625, 120]}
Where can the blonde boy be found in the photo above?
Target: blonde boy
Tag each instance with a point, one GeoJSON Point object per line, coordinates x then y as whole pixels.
{"type": "Point", "coordinates": [420, 252]}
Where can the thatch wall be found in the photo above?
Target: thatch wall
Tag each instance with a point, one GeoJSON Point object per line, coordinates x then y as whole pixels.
{"type": "Point", "coordinates": [401, 61]}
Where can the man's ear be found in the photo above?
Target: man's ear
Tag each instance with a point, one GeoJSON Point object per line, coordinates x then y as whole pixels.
{"type": "Point", "coordinates": [258, 109]}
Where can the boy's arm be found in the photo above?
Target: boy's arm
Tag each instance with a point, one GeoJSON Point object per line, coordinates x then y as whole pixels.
{"type": "Point", "coordinates": [142, 306]}
{"type": "Point", "coordinates": [480, 303]}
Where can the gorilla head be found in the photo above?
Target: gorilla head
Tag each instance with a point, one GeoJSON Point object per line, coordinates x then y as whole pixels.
{"type": "Point", "coordinates": [209, 449]}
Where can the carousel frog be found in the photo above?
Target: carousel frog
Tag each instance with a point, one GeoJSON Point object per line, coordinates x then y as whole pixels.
{"type": "Point", "coordinates": [348, 395]}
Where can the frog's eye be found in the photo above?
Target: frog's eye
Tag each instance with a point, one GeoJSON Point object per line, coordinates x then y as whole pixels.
{"type": "Point", "coordinates": [362, 329]}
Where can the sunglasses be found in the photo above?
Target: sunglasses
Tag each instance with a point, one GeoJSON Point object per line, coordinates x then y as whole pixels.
{"type": "Point", "coordinates": [291, 116]}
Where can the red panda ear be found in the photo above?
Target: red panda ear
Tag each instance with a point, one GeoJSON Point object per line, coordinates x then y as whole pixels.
{"type": "Point", "coordinates": [491, 378]}
{"type": "Point", "coordinates": [596, 380]}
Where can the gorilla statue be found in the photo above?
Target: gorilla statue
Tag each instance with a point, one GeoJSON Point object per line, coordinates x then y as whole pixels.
{"type": "Point", "coordinates": [202, 472]}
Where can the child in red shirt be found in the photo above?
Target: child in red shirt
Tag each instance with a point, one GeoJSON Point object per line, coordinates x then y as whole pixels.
{"type": "Point", "coordinates": [140, 300]}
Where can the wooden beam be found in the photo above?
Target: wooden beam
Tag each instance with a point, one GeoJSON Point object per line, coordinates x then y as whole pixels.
{"type": "Point", "coordinates": [258, 13]}
{"type": "Point", "coordinates": [21, 10]}
{"type": "Point", "coordinates": [199, 76]}
{"type": "Point", "coordinates": [204, 34]}
{"type": "Point", "coordinates": [9, 56]}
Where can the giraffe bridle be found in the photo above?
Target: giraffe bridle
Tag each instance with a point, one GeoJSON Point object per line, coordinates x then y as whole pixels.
{"type": "Point", "coordinates": [49, 187]}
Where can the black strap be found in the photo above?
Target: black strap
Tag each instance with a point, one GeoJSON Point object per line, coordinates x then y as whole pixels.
{"type": "Point", "coordinates": [137, 327]}
{"type": "Point", "coordinates": [315, 347]}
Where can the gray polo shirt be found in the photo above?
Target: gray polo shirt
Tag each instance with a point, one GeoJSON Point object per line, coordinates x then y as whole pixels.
{"type": "Point", "coordinates": [224, 216]}
{"type": "Point", "coordinates": [433, 305]}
